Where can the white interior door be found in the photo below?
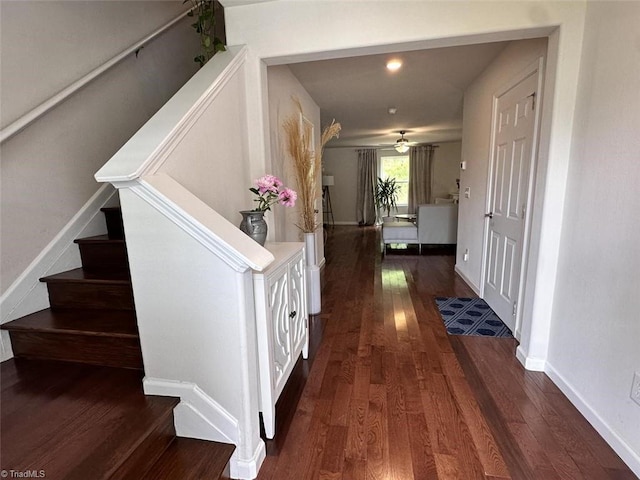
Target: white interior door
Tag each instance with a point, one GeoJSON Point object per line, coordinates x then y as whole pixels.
{"type": "Point", "coordinates": [514, 135]}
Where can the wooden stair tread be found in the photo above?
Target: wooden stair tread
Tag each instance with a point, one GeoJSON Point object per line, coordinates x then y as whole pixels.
{"type": "Point", "coordinates": [191, 459]}
{"type": "Point", "coordinates": [76, 421]}
{"type": "Point", "coordinates": [98, 239]}
{"type": "Point", "coordinates": [80, 275]}
{"type": "Point", "coordinates": [112, 323]}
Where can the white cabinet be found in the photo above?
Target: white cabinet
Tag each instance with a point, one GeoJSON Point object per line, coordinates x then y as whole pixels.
{"type": "Point", "coordinates": [282, 323]}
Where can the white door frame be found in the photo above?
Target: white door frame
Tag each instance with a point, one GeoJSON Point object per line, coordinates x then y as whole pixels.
{"type": "Point", "coordinates": [536, 68]}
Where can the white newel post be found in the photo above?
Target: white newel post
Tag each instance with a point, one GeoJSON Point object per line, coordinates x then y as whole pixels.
{"type": "Point", "coordinates": [314, 301]}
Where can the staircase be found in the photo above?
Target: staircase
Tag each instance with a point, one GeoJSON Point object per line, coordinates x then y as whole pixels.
{"type": "Point", "coordinates": [72, 400]}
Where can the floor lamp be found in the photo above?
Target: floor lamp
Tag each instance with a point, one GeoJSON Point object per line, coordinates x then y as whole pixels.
{"type": "Point", "coordinates": [327, 181]}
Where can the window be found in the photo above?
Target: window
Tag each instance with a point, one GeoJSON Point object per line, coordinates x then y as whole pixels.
{"type": "Point", "coordinates": [397, 167]}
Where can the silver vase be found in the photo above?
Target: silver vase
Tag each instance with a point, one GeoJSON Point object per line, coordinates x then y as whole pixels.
{"type": "Point", "coordinates": [253, 224]}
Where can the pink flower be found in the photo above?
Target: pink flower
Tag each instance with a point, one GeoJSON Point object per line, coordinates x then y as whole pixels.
{"type": "Point", "coordinates": [270, 190]}
{"type": "Point", "coordinates": [287, 197]}
{"type": "Point", "coordinates": [268, 183]}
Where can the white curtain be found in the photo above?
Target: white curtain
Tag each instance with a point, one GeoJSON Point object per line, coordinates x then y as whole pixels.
{"type": "Point", "coordinates": [367, 175]}
{"type": "Point", "coordinates": [420, 166]}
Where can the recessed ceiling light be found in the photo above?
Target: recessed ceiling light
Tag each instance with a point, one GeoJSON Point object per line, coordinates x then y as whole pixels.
{"type": "Point", "coordinates": [394, 64]}
{"type": "Point", "coordinates": [392, 110]}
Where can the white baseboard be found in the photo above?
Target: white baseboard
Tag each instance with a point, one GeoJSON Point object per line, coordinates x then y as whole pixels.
{"type": "Point", "coordinates": [466, 279]}
{"type": "Point", "coordinates": [626, 453]}
{"type": "Point", "coordinates": [197, 415]}
{"type": "Point", "coordinates": [27, 294]}
{"type": "Point", "coordinates": [530, 363]}
{"type": "Point", "coordinates": [248, 469]}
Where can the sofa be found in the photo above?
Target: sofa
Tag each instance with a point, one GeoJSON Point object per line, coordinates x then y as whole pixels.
{"type": "Point", "coordinates": [436, 224]}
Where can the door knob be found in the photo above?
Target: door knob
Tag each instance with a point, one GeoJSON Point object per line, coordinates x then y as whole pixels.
{"type": "Point", "coordinates": [488, 215]}
{"type": "Point", "coordinates": [292, 314]}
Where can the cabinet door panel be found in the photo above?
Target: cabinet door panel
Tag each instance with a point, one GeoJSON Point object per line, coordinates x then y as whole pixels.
{"type": "Point", "coordinates": [298, 305]}
{"type": "Point", "coordinates": [278, 295]}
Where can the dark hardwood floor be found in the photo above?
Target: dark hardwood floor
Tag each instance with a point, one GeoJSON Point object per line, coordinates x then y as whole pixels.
{"type": "Point", "coordinates": [390, 396]}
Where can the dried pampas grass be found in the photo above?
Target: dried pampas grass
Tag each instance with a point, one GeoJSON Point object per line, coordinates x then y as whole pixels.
{"type": "Point", "coordinates": [307, 162]}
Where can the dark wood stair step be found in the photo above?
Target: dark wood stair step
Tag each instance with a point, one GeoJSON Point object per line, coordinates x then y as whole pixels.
{"type": "Point", "coordinates": [98, 337]}
{"type": "Point", "coordinates": [101, 252]}
{"type": "Point", "coordinates": [191, 459]}
{"type": "Point", "coordinates": [80, 288]}
{"type": "Point", "coordinates": [81, 422]}
{"type": "Point", "coordinates": [113, 217]}
{"type": "Point", "coordinates": [119, 323]}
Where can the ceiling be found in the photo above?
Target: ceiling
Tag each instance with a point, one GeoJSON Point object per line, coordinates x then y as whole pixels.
{"type": "Point", "coordinates": [427, 92]}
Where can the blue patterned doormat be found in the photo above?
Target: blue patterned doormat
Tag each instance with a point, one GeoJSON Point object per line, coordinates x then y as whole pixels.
{"type": "Point", "coordinates": [470, 316]}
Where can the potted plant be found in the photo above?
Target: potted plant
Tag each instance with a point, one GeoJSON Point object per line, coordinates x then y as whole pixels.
{"type": "Point", "coordinates": [386, 195]}
{"type": "Point", "coordinates": [269, 190]}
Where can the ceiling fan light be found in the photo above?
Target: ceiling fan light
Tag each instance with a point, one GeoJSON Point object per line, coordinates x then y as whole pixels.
{"type": "Point", "coordinates": [401, 146]}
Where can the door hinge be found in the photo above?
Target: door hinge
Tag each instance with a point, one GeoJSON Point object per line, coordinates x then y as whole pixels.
{"type": "Point", "coordinates": [515, 308]}
{"type": "Point", "coordinates": [533, 100]}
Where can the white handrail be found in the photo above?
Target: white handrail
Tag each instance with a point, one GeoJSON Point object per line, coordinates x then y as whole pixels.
{"type": "Point", "coordinates": [29, 117]}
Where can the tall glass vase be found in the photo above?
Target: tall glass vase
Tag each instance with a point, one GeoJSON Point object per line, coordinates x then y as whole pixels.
{"type": "Point", "coordinates": [253, 224]}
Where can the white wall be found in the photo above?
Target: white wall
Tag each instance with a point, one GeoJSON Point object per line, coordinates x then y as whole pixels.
{"type": "Point", "coordinates": [476, 149]}
{"type": "Point", "coordinates": [47, 169]}
{"type": "Point", "coordinates": [594, 349]}
{"type": "Point", "coordinates": [283, 85]}
{"type": "Point", "coordinates": [342, 163]}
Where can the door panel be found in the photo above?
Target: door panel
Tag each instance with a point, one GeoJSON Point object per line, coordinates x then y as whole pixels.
{"type": "Point", "coordinates": [514, 134]}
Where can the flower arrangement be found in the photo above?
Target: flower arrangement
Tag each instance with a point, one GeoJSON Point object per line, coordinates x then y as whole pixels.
{"type": "Point", "coordinates": [307, 162]}
{"type": "Point", "coordinates": [270, 191]}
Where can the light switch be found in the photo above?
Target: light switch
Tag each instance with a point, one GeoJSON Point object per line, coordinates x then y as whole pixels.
{"type": "Point", "coordinates": [467, 192]}
{"type": "Point", "coordinates": [463, 165]}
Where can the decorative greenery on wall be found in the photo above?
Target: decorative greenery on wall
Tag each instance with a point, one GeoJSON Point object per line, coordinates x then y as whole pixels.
{"type": "Point", "coordinates": [204, 14]}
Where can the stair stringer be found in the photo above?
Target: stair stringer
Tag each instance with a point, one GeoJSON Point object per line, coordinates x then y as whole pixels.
{"type": "Point", "coordinates": [200, 416]}
{"type": "Point", "coordinates": [197, 415]}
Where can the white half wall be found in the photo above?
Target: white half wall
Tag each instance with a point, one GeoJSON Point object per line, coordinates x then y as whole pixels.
{"type": "Point", "coordinates": [47, 169]}
{"type": "Point", "coordinates": [594, 345]}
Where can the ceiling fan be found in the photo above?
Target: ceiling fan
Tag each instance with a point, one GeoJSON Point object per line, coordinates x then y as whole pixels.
{"type": "Point", "coordinates": [402, 144]}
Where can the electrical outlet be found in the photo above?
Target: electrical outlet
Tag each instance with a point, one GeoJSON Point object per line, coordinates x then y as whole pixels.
{"type": "Point", "coordinates": [465, 257]}
{"type": "Point", "coordinates": [635, 388]}
{"type": "Point", "coordinates": [467, 192]}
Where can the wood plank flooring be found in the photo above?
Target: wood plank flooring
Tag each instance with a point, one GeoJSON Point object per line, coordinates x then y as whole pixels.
{"type": "Point", "coordinates": [391, 396]}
